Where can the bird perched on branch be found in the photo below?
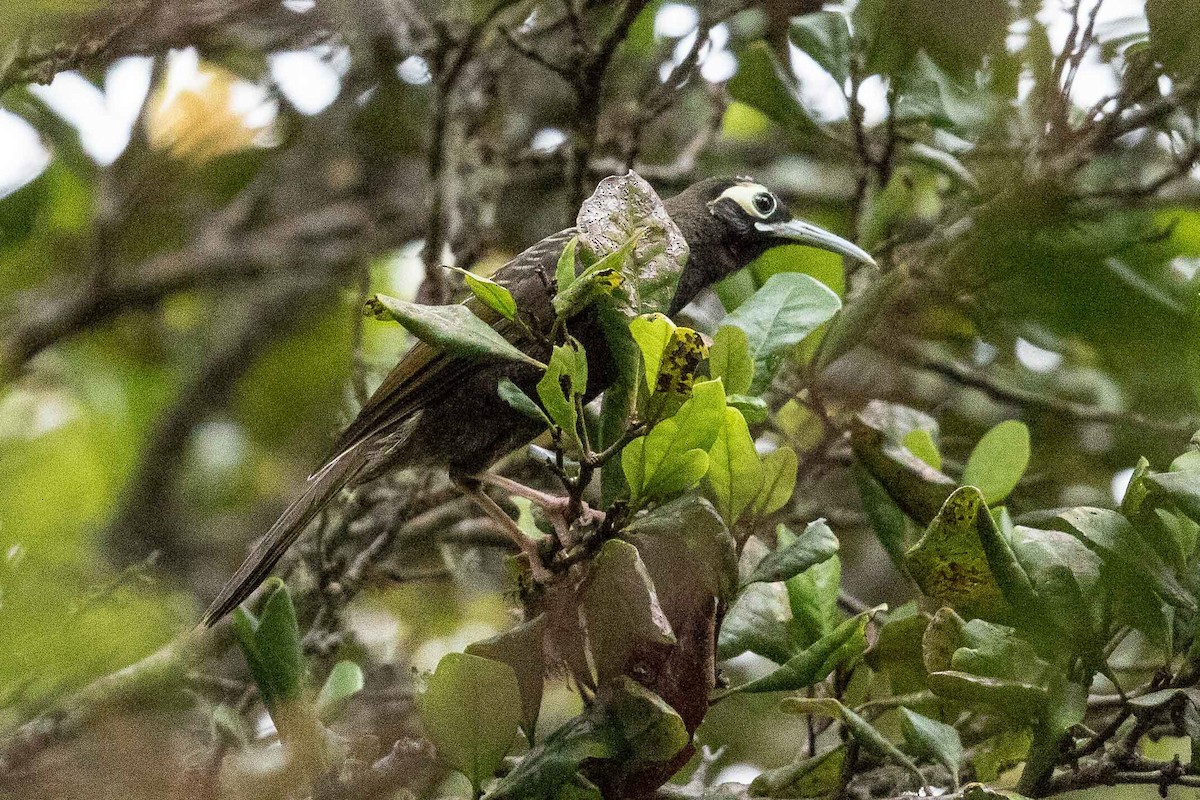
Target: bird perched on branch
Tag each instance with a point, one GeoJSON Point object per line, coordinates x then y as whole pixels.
{"type": "Point", "coordinates": [435, 409]}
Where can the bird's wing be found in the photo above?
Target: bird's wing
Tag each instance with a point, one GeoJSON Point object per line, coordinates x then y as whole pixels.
{"type": "Point", "coordinates": [318, 489]}
{"type": "Point", "coordinates": [423, 374]}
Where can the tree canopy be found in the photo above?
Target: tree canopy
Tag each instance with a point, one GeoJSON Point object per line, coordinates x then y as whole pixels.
{"type": "Point", "coordinates": [836, 530]}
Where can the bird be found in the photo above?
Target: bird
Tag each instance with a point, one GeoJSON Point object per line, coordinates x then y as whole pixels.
{"type": "Point", "coordinates": [438, 410]}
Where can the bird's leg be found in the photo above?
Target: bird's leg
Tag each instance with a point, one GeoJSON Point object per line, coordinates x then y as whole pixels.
{"type": "Point", "coordinates": [555, 505]}
{"type": "Point", "coordinates": [470, 486]}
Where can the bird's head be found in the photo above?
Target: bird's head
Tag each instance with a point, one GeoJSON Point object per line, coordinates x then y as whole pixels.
{"type": "Point", "coordinates": [730, 222]}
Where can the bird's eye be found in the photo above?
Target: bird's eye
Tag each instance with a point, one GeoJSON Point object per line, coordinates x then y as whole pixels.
{"type": "Point", "coordinates": [765, 204]}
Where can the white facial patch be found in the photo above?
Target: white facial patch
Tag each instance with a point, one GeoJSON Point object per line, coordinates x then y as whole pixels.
{"type": "Point", "coordinates": [744, 194]}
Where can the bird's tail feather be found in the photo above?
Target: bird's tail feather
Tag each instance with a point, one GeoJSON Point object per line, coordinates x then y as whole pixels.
{"type": "Point", "coordinates": [321, 486]}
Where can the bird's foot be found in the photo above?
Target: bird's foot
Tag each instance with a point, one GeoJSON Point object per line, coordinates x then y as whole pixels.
{"type": "Point", "coordinates": [557, 507]}
{"type": "Point", "coordinates": [469, 485]}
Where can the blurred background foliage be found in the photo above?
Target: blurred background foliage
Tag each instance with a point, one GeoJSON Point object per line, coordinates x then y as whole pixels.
{"type": "Point", "coordinates": [195, 197]}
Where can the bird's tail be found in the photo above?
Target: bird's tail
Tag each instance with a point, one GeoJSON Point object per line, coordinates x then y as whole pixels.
{"type": "Point", "coordinates": [321, 486]}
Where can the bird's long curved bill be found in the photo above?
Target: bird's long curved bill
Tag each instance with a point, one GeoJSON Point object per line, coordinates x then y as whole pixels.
{"type": "Point", "coordinates": [802, 232]}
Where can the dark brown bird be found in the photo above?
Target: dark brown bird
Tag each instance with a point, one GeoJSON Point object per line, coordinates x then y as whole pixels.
{"type": "Point", "coordinates": [435, 409]}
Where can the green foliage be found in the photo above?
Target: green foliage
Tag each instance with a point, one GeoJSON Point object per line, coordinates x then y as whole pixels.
{"type": "Point", "coordinates": [511, 393]}
{"type": "Point", "coordinates": [1001, 211]}
{"type": "Point", "coordinates": [345, 680]}
{"type": "Point", "coordinates": [626, 226]}
{"type": "Point", "coordinates": [490, 293]}
{"type": "Point", "coordinates": [866, 734]}
{"type": "Point", "coordinates": [998, 461]}
{"type": "Point", "coordinates": [932, 739]}
{"type": "Point", "coordinates": [1170, 24]}
{"type": "Point", "coordinates": [271, 645]}
{"type": "Point", "coordinates": [825, 36]}
{"type": "Point", "coordinates": [563, 383]}
{"type": "Point", "coordinates": [730, 360]}
{"type": "Point", "coordinates": [621, 609]}
{"type": "Point", "coordinates": [761, 84]}
{"type": "Point", "coordinates": [735, 474]}
{"type": "Point", "coordinates": [520, 648]}
{"type": "Point", "coordinates": [470, 709]}
{"type": "Point", "coordinates": [950, 562]}
{"type": "Point", "coordinates": [789, 307]}
{"type": "Point", "coordinates": [455, 329]}
{"type": "Point", "coordinates": [841, 646]}
{"type": "Point", "coordinates": [795, 554]}
{"type": "Point", "coordinates": [564, 271]}
{"type": "Point", "coordinates": [673, 457]}
{"type": "Point", "coordinates": [920, 443]}
{"type": "Point", "coordinates": [630, 725]}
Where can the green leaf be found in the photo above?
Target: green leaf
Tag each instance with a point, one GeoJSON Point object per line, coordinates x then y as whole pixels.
{"type": "Point", "coordinates": [470, 709]}
{"type": "Point", "coordinates": [545, 770]}
{"type": "Point", "coordinates": [674, 455]}
{"type": "Point", "coordinates": [735, 474]}
{"type": "Point", "coordinates": [808, 777]}
{"type": "Point", "coordinates": [950, 563]}
{"type": "Point", "coordinates": [1065, 577]}
{"type": "Point", "coordinates": [272, 646]}
{"type": "Point", "coordinates": [779, 481]}
{"type": "Point", "coordinates": [762, 84]}
{"type": "Point", "coordinates": [816, 544]}
{"type": "Point", "coordinates": [812, 665]}
{"type": "Point", "coordinates": [621, 608]}
{"type": "Point", "coordinates": [685, 547]}
{"type": "Point", "coordinates": [672, 475]}
{"type": "Point", "coordinates": [521, 648]}
{"type": "Point", "coordinates": [652, 332]}
{"type": "Point", "coordinates": [1000, 753]}
{"type": "Point", "coordinates": [1136, 563]}
{"type": "Point", "coordinates": [788, 307]}
{"type": "Point", "coordinates": [758, 623]}
{"type": "Point", "coordinates": [920, 443]}
{"type": "Point", "coordinates": [813, 596]}
{"type": "Point", "coordinates": [683, 355]}
{"type": "Point", "coordinates": [564, 272]}
{"type": "Point", "coordinates": [653, 731]}
{"type": "Point", "coordinates": [979, 663]}
{"type": "Point", "coordinates": [730, 360]}
{"type": "Point", "coordinates": [627, 722]}
{"type": "Point", "coordinates": [1180, 488]}
{"type": "Point", "coordinates": [451, 328]}
{"type": "Point", "coordinates": [941, 161]}
{"type": "Point", "coordinates": [932, 739]}
{"type": "Point", "coordinates": [754, 409]}
{"type": "Point", "coordinates": [625, 207]}
{"type": "Point", "coordinates": [896, 652]}
{"type": "Point", "coordinates": [345, 680]}
{"type": "Point", "coordinates": [620, 399]}
{"type": "Point", "coordinates": [511, 393]}
{"type": "Point", "coordinates": [917, 488]}
{"type": "Point", "coordinates": [602, 278]}
{"type": "Point", "coordinates": [866, 734]}
{"type": "Point", "coordinates": [998, 461]}
{"type": "Point", "coordinates": [890, 524]}
{"type": "Point", "coordinates": [565, 379]}
{"type": "Point", "coordinates": [490, 293]}
{"type": "Point", "coordinates": [825, 36]}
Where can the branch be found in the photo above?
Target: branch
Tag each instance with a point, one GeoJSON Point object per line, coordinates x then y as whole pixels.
{"type": "Point", "coordinates": [967, 376]}
{"type": "Point", "coordinates": [219, 252]}
{"type": "Point", "coordinates": [150, 679]}
{"type": "Point", "coordinates": [153, 27]}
